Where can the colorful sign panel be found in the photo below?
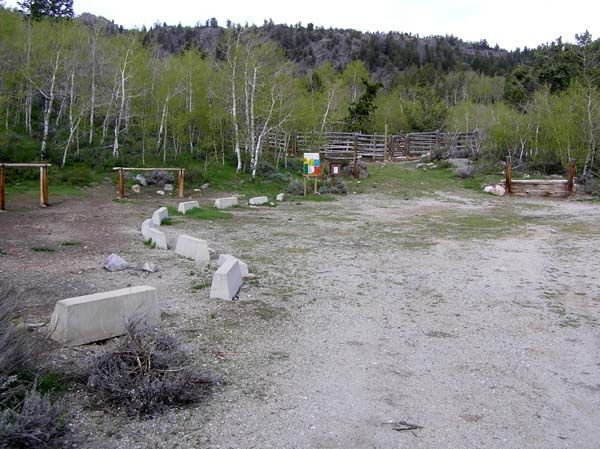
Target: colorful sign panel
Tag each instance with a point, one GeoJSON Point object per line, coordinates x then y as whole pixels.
{"type": "Point", "coordinates": [312, 164]}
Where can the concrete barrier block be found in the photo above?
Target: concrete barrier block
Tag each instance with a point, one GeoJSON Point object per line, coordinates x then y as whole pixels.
{"type": "Point", "coordinates": [224, 203]}
{"type": "Point", "coordinates": [259, 200]}
{"type": "Point", "coordinates": [146, 225]}
{"type": "Point", "coordinates": [160, 215]}
{"type": "Point", "coordinates": [192, 248]}
{"type": "Point", "coordinates": [227, 280]}
{"type": "Point", "coordinates": [158, 238]}
{"type": "Point", "coordinates": [187, 205]}
{"type": "Point", "coordinates": [85, 319]}
{"type": "Point", "coordinates": [243, 266]}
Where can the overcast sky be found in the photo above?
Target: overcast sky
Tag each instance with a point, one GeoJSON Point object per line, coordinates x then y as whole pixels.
{"type": "Point", "coordinates": [508, 23]}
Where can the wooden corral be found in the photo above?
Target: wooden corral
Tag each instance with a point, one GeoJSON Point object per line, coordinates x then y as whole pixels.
{"type": "Point", "coordinates": [539, 187]}
{"type": "Point", "coordinates": [122, 170]}
{"type": "Point", "coordinates": [43, 181]}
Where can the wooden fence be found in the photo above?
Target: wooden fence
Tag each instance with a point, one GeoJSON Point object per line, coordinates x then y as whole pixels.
{"type": "Point", "coordinates": [539, 187]}
{"type": "Point", "coordinates": [390, 147]}
{"type": "Point", "coordinates": [43, 181]}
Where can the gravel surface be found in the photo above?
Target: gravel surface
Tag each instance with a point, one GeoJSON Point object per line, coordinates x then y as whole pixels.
{"type": "Point", "coordinates": [448, 321]}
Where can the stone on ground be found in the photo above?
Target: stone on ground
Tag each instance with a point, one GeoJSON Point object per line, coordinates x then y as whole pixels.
{"type": "Point", "coordinates": [168, 187]}
{"type": "Point", "coordinates": [141, 180]}
{"type": "Point", "coordinates": [227, 280]}
{"type": "Point", "coordinates": [146, 225]}
{"type": "Point", "coordinates": [259, 200]}
{"type": "Point", "coordinates": [85, 319]}
{"type": "Point", "coordinates": [115, 263]}
{"type": "Point", "coordinates": [187, 205]}
{"type": "Point", "coordinates": [158, 238]}
{"type": "Point", "coordinates": [243, 266]}
{"type": "Point", "coordinates": [224, 203]}
{"type": "Point", "coordinates": [160, 215]}
{"type": "Point", "coordinates": [280, 197]}
{"type": "Point", "coordinates": [136, 188]}
{"type": "Point", "coordinates": [192, 248]}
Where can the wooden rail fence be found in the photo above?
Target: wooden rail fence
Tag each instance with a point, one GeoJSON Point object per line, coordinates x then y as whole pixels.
{"type": "Point", "coordinates": [539, 187]}
{"type": "Point", "coordinates": [43, 181]}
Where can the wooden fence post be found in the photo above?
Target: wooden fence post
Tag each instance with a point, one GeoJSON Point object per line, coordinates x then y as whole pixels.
{"type": "Point", "coordinates": [180, 181]}
{"type": "Point", "coordinates": [2, 193]}
{"type": "Point", "coordinates": [44, 186]}
{"type": "Point", "coordinates": [508, 175]}
{"type": "Point", "coordinates": [571, 181]}
{"type": "Point", "coordinates": [121, 191]}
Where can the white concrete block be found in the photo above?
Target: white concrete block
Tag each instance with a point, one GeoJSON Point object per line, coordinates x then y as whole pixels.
{"type": "Point", "coordinates": [243, 266]}
{"type": "Point", "coordinates": [187, 205]}
{"type": "Point", "coordinates": [227, 280]}
{"type": "Point", "coordinates": [158, 238]}
{"type": "Point", "coordinates": [192, 248]}
{"type": "Point", "coordinates": [146, 225]}
{"type": "Point", "coordinates": [257, 201]}
{"type": "Point", "coordinates": [280, 197]}
{"type": "Point", "coordinates": [160, 215]}
{"type": "Point", "coordinates": [224, 203]}
{"type": "Point", "coordinates": [85, 319]}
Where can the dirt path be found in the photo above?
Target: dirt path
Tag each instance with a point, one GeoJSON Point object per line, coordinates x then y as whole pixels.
{"type": "Point", "coordinates": [473, 318]}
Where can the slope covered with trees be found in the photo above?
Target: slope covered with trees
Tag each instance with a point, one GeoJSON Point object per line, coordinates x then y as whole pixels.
{"type": "Point", "coordinates": [86, 90]}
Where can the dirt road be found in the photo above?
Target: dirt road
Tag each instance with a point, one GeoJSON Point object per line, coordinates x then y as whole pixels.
{"type": "Point", "coordinates": [474, 319]}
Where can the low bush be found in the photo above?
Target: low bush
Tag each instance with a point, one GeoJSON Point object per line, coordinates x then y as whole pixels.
{"type": "Point", "coordinates": [147, 372]}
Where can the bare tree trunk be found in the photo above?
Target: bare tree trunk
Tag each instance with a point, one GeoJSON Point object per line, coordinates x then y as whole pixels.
{"type": "Point", "coordinates": [329, 100]}
{"type": "Point", "coordinates": [29, 93]}
{"type": "Point", "coordinates": [236, 130]}
{"type": "Point", "coordinates": [72, 126]}
{"type": "Point", "coordinates": [48, 108]}
{"type": "Point", "coordinates": [93, 87]}
{"type": "Point", "coordinates": [119, 117]}
{"type": "Point", "coordinates": [589, 161]}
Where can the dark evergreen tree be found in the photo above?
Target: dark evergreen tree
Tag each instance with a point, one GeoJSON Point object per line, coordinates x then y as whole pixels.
{"type": "Point", "coordinates": [41, 9]}
{"type": "Point", "coordinates": [359, 112]}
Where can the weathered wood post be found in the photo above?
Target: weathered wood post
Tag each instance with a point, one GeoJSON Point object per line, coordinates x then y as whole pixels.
{"type": "Point", "coordinates": [571, 181]}
{"type": "Point", "coordinates": [180, 178]}
{"type": "Point", "coordinates": [121, 191]}
{"type": "Point", "coordinates": [2, 193]}
{"type": "Point", "coordinates": [44, 186]}
{"type": "Point", "coordinates": [508, 175]}
{"type": "Point", "coordinates": [355, 168]}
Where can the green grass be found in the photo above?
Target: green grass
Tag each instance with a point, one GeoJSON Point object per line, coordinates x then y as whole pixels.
{"type": "Point", "coordinates": [2, 252]}
{"type": "Point", "coordinates": [32, 188]}
{"type": "Point", "coordinates": [149, 244]}
{"type": "Point", "coordinates": [42, 249]}
{"type": "Point", "coordinates": [199, 286]}
{"type": "Point", "coordinates": [201, 214]}
{"type": "Point", "coordinates": [70, 243]}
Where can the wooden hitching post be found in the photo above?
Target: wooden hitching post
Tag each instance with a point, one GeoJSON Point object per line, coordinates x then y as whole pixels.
{"type": "Point", "coordinates": [44, 186]}
{"type": "Point", "coordinates": [2, 193]}
{"type": "Point", "coordinates": [316, 190]}
{"type": "Point", "coordinates": [508, 175]}
{"type": "Point", "coordinates": [121, 191]}
{"type": "Point", "coordinates": [180, 178]}
{"type": "Point", "coordinates": [571, 181]}
{"type": "Point", "coordinates": [305, 188]}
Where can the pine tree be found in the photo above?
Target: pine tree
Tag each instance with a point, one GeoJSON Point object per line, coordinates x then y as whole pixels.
{"type": "Point", "coordinates": [41, 9]}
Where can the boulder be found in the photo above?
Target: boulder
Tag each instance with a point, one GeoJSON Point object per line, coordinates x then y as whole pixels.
{"type": "Point", "coordinates": [136, 188]}
{"type": "Point", "coordinates": [90, 318]}
{"type": "Point", "coordinates": [182, 208]}
{"type": "Point", "coordinates": [168, 187]}
{"type": "Point", "coordinates": [115, 263]}
{"type": "Point", "coordinates": [192, 248]}
{"type": "Point", "coordinates": [280, 197]}
{"type": "Point", "coordinates": [227, 280]}
{"type": "Point", "coordinates": [160, 215]}
{"type": "Point", "coordinates": [224, 203]}
{"type": "Point", "coordinates": [225, 257]}
{"type": "Point", "coordinates": [160, 178]}
{"type": "Point", "coordinates": [259, 200]}
{"type": "Point", "coordinates": [141, 180]}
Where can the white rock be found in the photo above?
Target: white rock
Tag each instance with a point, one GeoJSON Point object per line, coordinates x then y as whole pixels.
{"type": "Point", "coordinates": [85, 319]}
{"type": "Point", "coordinates": [281, 197]}
{"type": "Point", "coordinates": [243, 266]}
{"type": "Point", "coordinates": [158, 238]}
{"type": "Point", "coordinates": [141, 179]}
{"type": "Point", "coordinates": [489, 189]}
{"type": "Point", "coordinates": [227, 280]}
{"type": "Point", "coordinates": [146, 225]}
{"type": "Point", "coordinates": [224, 203]}
{"type": "Point", "coordinates": [205, 186]}
{"type": "Point", "coordinates": [259, 200]}
{"type": "Point", "coordinates": [150, 267]}
{"type": "Point", "coordinates": [182, 208]}
{"type": "Point", "coordinates": [160, 192]}
{"type": "Point", "coordinates": [499, 190]}
{"type": "Point", "coordinates": [168, 187]}
{"type": "Point", "coordinates": [192, 248]}
{"type": "Point", "coordinates": [136, 188]}
{"type": "Point", "coordinates": [160, 215]}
